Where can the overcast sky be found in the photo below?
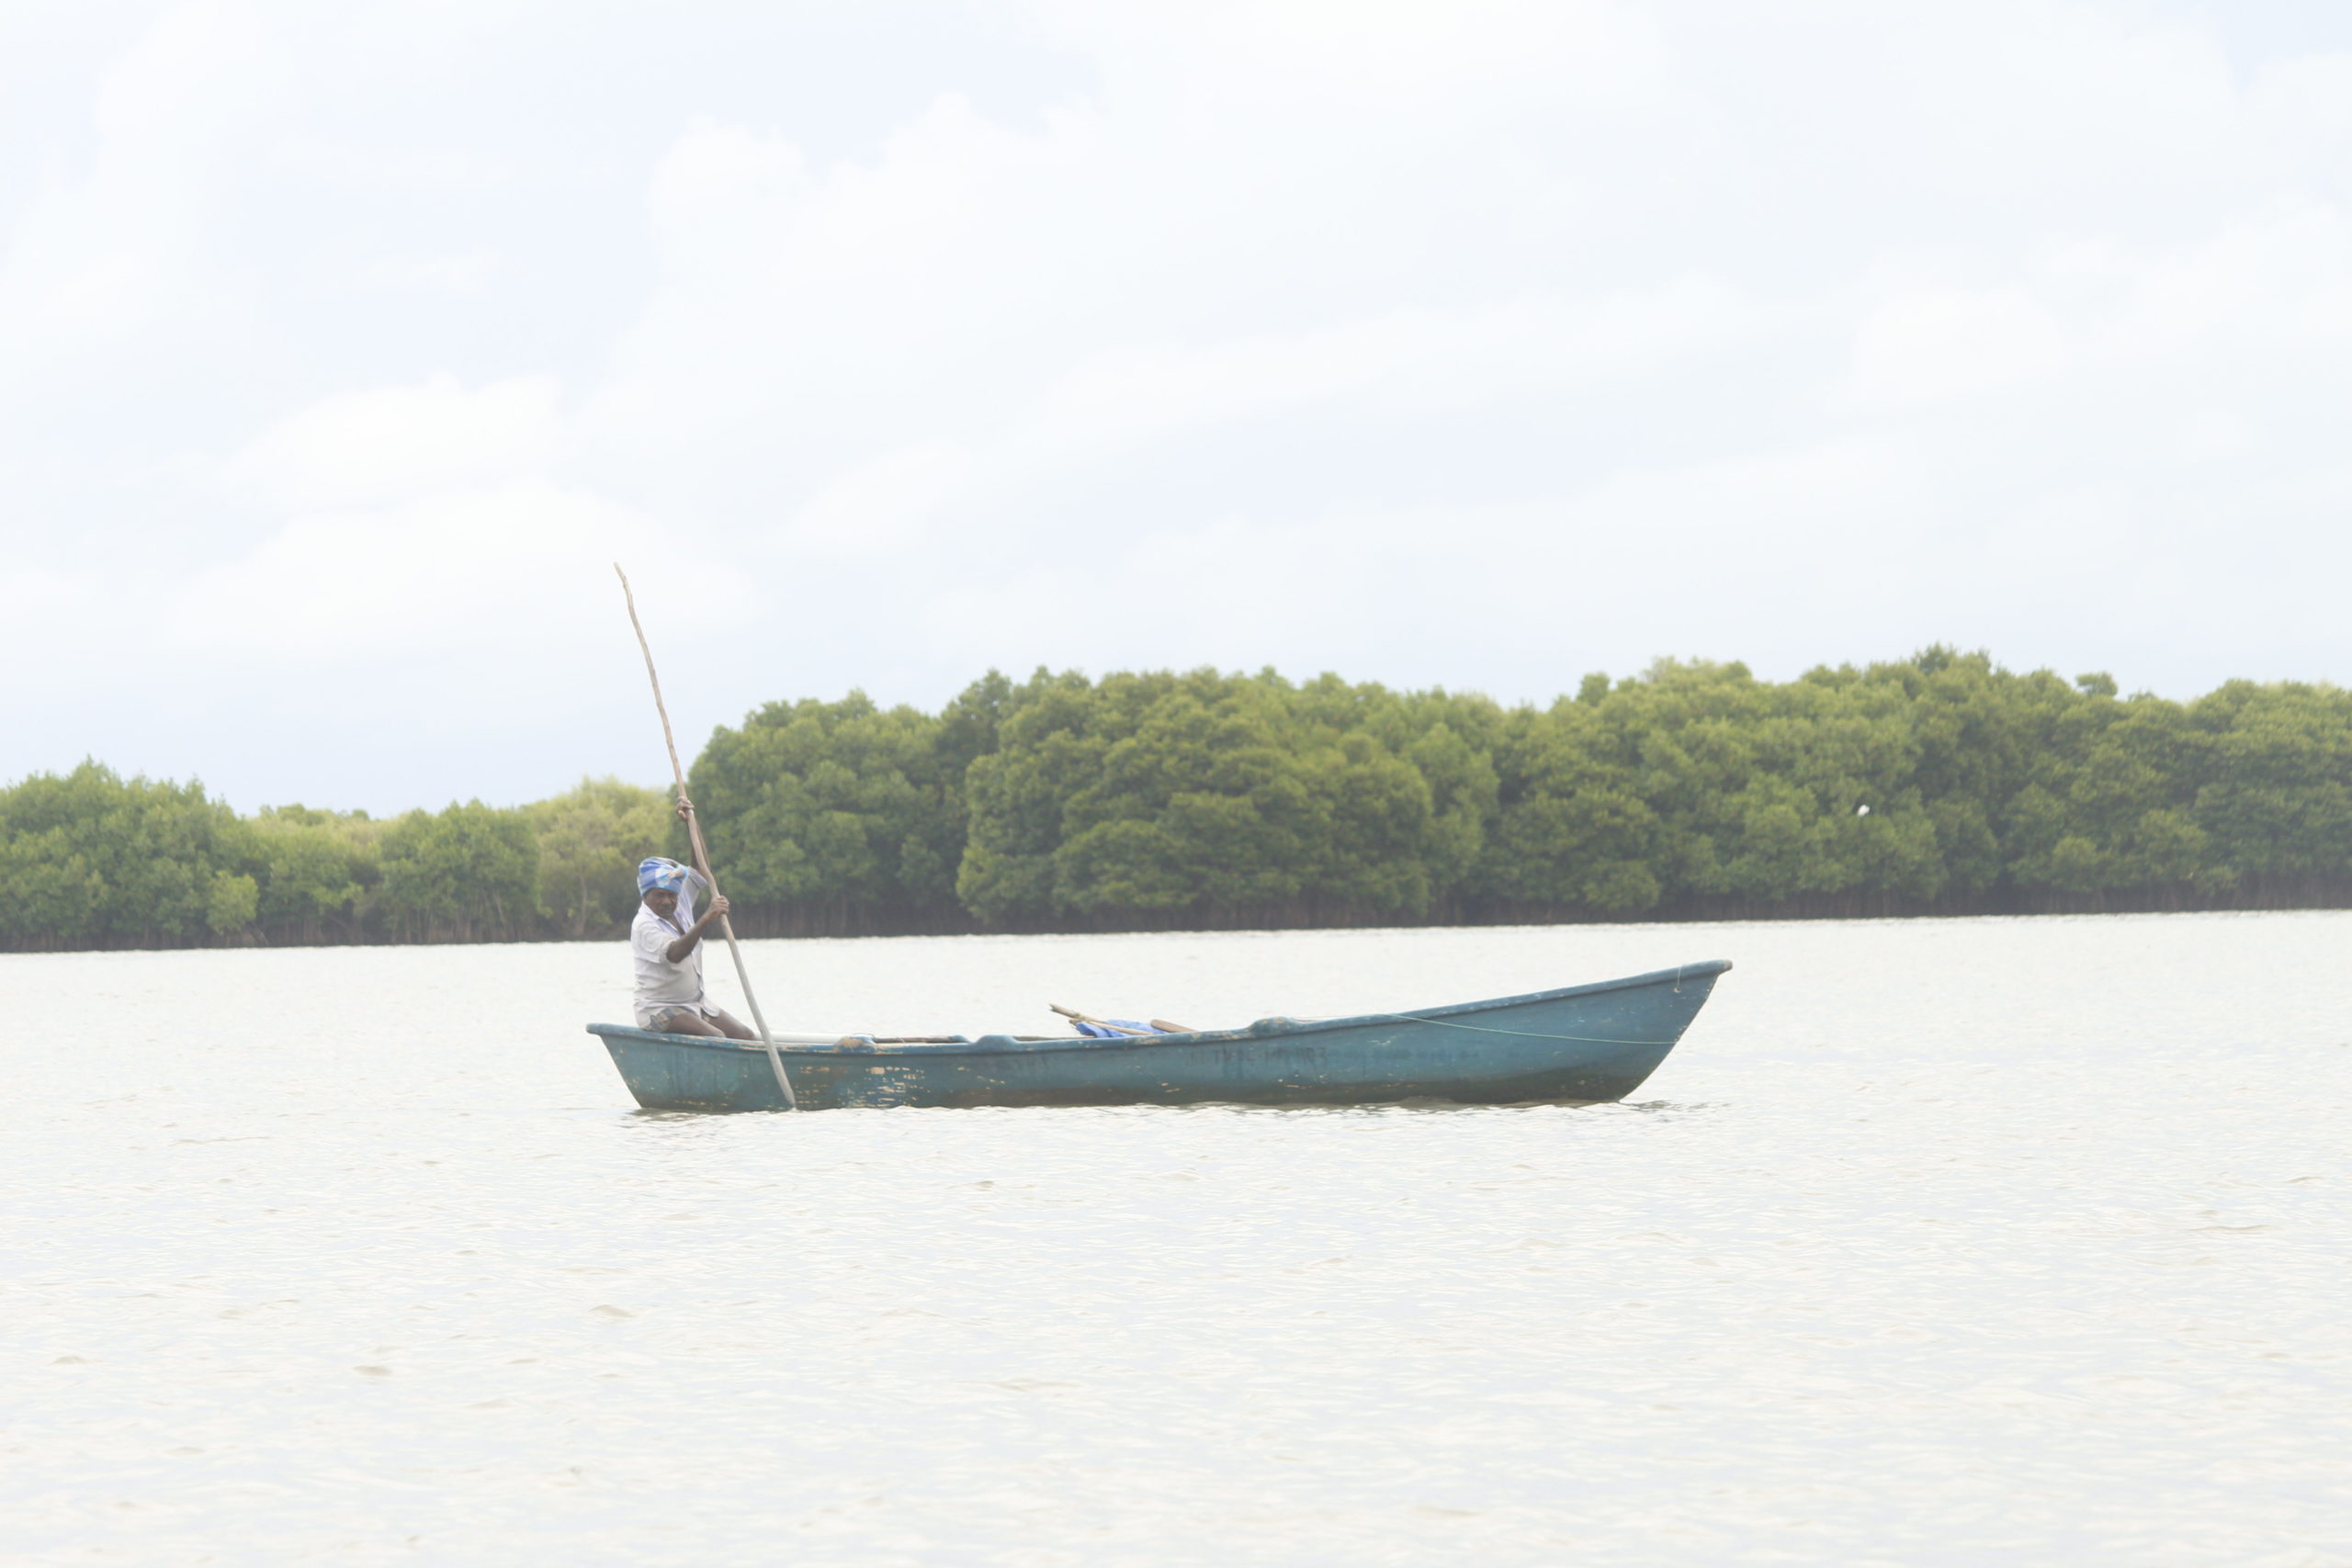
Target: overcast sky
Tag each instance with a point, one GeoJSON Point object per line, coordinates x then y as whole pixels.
{"type": "Point", "coordinates": [342, 348]}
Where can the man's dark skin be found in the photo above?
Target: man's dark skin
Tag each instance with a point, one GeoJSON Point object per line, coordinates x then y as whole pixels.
{"type": "Point", "coordinates": [664, 903]}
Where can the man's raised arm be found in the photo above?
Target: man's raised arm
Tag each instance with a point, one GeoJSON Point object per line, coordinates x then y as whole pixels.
{"type": "Point", "coordinates": [676, 951]}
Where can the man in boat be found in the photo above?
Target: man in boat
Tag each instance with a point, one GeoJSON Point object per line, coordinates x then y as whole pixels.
{"type": "Point", "coordinates": [666, 941]}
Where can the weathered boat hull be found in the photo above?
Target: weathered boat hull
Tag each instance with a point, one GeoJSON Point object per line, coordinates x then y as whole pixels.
{"type": "Point", "coordinates": [1585, 1043]}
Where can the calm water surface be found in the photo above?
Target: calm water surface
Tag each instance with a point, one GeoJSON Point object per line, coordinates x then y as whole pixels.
{"type": "Point", "coordinates": [1968, 1242]}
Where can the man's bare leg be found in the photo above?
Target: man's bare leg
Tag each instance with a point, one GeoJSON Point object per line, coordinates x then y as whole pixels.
{"type": "Point", "coordinates": [718, 1021]}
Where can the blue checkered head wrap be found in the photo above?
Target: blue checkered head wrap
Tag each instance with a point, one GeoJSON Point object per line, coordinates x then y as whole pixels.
{"type": "Point", "coordinates": [667, 875]}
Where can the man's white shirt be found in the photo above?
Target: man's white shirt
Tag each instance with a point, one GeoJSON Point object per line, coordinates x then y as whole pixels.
{"type": "Point", "coordinates": [659, 983]}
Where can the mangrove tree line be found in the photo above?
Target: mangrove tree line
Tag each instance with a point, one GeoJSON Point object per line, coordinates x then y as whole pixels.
{"type": "Point", "coordinates": [1942, 783]}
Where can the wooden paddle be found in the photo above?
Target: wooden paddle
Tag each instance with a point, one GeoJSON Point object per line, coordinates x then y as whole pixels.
{"type": "Point", "coordinates": [702, 856]}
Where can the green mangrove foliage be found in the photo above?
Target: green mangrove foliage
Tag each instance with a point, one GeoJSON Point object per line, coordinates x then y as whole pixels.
{"type": "Point", "coordinates": [1206, 797]}
{"type": "Point", "coordinates": [1942, 782]}
{"type": "Point", "coordinates": [843, 817]}
{"type": "Point", "coordinates": [95, 860]}
{"type": "Point", "coordinates": [88, 859]}
{"type": "Point", "coordinates": [590, 842]}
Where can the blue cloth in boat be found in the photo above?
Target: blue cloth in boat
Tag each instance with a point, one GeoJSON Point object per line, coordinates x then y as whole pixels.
{"type": "Point", "coordinates": [1115, 1029]}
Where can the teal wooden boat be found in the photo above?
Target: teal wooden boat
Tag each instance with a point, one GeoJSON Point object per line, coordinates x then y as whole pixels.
{"type": "Point", "coordinates": [1584, 1042]}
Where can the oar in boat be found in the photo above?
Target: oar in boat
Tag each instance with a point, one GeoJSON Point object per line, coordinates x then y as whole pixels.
{"type": "Point", "coordinates": [702, 856]}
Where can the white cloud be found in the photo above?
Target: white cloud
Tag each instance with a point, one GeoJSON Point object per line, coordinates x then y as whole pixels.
{"type": "Point", "coordinates": [1396, 366]}
{"type": "Point", "coordinates": [1406, 362]}
{"type": "Point", "coordinates": [443, 579]}
{"type": "Point", "coordinates": [392, 443]}
{"type": "Point", "coordinates": [449, 273]}
{"type": "Point", "coordinates": [1930, 344]}
{"type": "Point", "coordinates": [876, 506]}
{"type": "Point", "coordinates": [97, 260]}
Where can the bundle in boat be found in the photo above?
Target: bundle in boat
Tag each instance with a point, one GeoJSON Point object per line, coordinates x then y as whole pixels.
{"type": "Point", "coordinates": [1094, 1028]}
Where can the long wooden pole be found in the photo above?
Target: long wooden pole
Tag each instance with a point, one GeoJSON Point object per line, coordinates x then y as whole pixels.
{"type": "Point", "coordinates": [702, 856]}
